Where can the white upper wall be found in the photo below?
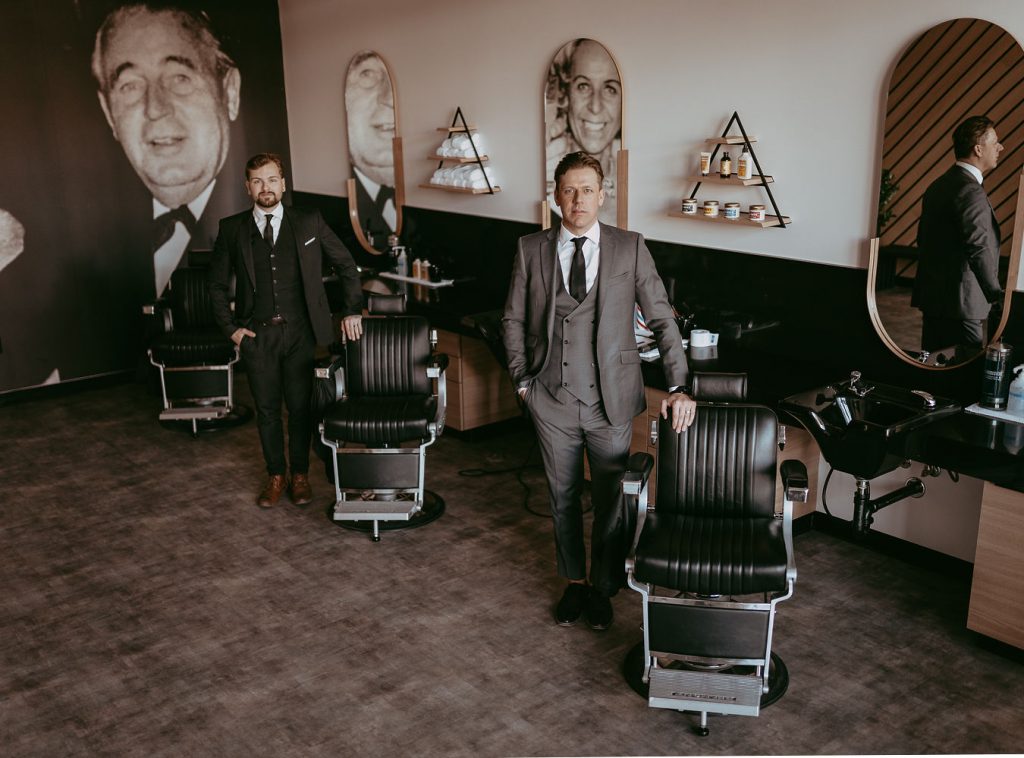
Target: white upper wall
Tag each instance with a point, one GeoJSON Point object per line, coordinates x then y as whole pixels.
{"type": "Point", "coordinates": [807, 77]}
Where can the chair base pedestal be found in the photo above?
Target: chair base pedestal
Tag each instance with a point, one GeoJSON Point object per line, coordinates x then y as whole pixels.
{"type": "Point", "coordinates": [432, 508]}
{"type": "Point", "coordinates": [633, 671]}
{"type": "Point", "coordinates": [196, 419]}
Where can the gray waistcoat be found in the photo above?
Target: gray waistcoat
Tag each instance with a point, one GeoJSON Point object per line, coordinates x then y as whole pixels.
{"type": "Point", "coordinates": [571, 368]}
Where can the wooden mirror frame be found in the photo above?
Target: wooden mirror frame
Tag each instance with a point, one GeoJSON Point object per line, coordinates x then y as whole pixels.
{"type": "Point", "coordinates": [928, 58]}
{"type": "Point", "coordinates": [399, 169]}
{"type": "Point", "coordinates": [621, 157]}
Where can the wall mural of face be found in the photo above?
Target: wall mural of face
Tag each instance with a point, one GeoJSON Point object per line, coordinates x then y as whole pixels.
{"type": "Point", "coordinates": [370, 111]}
{"type": "Point", "coordinates": [166, 103]}
{"type": "Point", "coordinates": [583, 111]}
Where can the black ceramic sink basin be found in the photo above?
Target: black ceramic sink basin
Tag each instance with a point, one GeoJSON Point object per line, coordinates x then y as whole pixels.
{"type": "Point", "coordinates": [865, 428]}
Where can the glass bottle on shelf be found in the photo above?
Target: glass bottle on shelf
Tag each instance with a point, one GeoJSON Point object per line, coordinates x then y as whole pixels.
{"type": "Point", "coordinates": [725, 166]}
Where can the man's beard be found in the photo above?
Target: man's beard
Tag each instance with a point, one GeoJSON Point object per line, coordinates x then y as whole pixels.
{"type": "Point", "coordinates": [268, 203]}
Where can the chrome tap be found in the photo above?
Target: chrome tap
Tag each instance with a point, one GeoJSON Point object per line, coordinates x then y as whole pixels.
{"type": "Point", "coordinates": [927, 397]}
{"type": "Point", "coordinates": [858, 389]}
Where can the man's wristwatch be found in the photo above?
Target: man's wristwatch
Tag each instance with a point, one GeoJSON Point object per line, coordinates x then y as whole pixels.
{"type": "Point", "coordinates": [679, 388]}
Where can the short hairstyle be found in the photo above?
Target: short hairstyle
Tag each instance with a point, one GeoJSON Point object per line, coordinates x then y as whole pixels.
{"type": "Point", "coordinates": [578, 159]}
{"type": "Point", "coordinates": [197, 23]}
{"type": "Point", "coordinates": [262, 159]}
{"type": "Point", "coordinates": [970, 133]}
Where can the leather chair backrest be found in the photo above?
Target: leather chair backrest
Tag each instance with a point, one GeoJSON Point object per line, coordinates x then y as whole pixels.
{"type": "Point", "coordinates": [379, 304]}
{"type": "Point", "coordinates": [722, 466]}
{"type": "Point", "coordinates": [390, 358]}
{"type": "Point", "coordinates": [191, 306]}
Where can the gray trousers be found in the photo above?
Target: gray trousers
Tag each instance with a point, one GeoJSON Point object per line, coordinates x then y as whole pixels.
{"type": "Point", "coordinates": [564, 431]}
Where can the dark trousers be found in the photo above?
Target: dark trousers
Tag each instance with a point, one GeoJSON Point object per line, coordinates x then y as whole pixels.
{"type": "Point", "coordinates": [938, 333]}
{"type": "Point", "coordinates": [564, 431]}
{"type": "Point", "coordinates": [279, 363]}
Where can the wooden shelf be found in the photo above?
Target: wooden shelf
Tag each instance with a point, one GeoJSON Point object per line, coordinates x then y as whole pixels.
{"type": "Point", "coordinates": [463, 190]}
{"type": "Point", "coordinates": [743, 220]}
{"type": "Point", "coordinates": [453, 129]}
{"type": "Point", "coordinates": [457, 159]}
{"type": "Point", "coordinates": [732, 139]}
{"type": "Point", "coordinates": [756, 179]}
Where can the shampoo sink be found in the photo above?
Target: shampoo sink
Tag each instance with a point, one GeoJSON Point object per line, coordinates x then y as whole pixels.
{"type": "Point", "coordinates": [864, 428]}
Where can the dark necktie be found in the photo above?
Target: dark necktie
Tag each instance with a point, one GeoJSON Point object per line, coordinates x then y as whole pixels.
{"type": "Point", "coordinates": [383, 195]}
{"type": "Point", "coordinates": [268, 230]}
{"type": "Point", "coordinates": [163, 225]}
{"type": "Point", "coordinates": [578, 272]}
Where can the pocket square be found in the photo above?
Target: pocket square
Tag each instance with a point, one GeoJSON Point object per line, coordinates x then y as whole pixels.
{"type": "Point", "coordinates": [311, 239]}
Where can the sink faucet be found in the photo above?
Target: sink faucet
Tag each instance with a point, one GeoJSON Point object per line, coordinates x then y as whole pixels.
{"type": "Point", "coordinates": [926, 397]}
{"type": "Point", "coordinates": [858, 389]}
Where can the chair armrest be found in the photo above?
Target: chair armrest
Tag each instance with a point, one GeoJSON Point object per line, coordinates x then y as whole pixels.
{"type": "Point", "coordinates": [438, 364]}
{"type": "Point", "coordinates": [329, 380]}
{"type": "Point", "coordinates": [794, 481]}
{"type": "Point", "coordinates": [638, 471]}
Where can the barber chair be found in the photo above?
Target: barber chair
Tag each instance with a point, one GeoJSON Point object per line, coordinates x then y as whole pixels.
{"type": "Point", "coordinates": [196, 361]}
{"type": "Point", "coordinates": [713, 558]}
{"type": "Point", "coordinates": [385, 398]}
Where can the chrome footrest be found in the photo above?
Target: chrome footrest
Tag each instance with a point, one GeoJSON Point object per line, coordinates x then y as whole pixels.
{"type": "Point", "coordinates": [194, 412]}
{"type": "Point", "coordinates": [376, 510]}
{"type": "Point", "coordinates": [681, 690]}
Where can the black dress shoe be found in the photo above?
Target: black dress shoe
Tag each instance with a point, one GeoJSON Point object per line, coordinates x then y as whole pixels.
{"type": "Point", "coordinates": [570, 607]}
{"type": "Point", "coordinates": [599, 611]}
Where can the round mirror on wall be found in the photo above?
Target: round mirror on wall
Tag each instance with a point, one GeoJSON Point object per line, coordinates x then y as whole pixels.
{"type": "Point", "coordinates": [583, 111]}
{"type": "Point", "coordinates": [375, 190]}
{"type": "Point", "coordinates": [937, 280]}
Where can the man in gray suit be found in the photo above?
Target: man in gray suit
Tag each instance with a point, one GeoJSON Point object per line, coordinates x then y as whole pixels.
{"type": "Point", "coordinates": [958, 245]}
{"type": "Point", "coordinates": [568, 332]}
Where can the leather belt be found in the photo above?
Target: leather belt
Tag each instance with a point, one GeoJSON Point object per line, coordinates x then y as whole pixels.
{"type": "Point", "coordinates": [275, 321]}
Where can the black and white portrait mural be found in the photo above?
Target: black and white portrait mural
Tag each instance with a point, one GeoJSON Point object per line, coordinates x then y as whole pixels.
{"type": "Point", "coordinates": [372, 128]}
{"type": "Point", "coordinates": [127, 127]}
{"type": "Point", "coordinates": [583, 111]}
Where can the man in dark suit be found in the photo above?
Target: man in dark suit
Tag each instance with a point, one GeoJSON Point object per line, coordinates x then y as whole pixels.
{"type": "Point", "coordinates": [568, 332]}
{"type": "Point", "coordinates": [274, 254]}
{"type": "Point", "coordinates": [958, 245]}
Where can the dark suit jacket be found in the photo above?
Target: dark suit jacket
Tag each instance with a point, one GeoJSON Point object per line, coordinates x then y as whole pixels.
{"type": "Point", "coordinates": [314, 240]}
{"type": "Point", "coordinates": [958, 247]}
{"type": "Point", "coordinates": [626, 274]}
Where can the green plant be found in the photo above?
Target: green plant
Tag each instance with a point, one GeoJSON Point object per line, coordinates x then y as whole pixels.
{"type": "Point", "coordinates": [886, 189]}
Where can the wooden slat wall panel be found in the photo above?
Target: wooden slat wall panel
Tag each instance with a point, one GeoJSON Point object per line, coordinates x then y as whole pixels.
{"type": "Point", "coordinates": [957, 69]}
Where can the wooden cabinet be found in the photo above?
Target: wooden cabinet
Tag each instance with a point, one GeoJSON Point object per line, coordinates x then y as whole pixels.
{"type": "Point", "coordinates": [997, 591]}
{"type": "Point", "coordinates": [479, 390]}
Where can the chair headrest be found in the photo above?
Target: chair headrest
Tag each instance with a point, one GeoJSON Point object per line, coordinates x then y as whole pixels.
{"type": "Point", "coordinates": [385, 305]}
{"type": "Point", "coordinates": [715, 385]}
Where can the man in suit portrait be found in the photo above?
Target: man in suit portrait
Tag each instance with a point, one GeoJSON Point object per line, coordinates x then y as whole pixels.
{"type": "Point", "coordinates": [958, 246]}
{"type": "Point", "coordinates": [370, 113]}
{"type": "Point", "coordinates": [568, 332]}
{"type": "Point", "coordinates": [274, 256]}
{"type": "Point", "coordinates": [169, 92]}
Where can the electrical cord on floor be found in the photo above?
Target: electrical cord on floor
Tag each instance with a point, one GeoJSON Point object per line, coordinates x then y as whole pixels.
{"type": "Point", "coordinates": [519, 471]}
{"type": "Point", "coordinates": [824, 490]}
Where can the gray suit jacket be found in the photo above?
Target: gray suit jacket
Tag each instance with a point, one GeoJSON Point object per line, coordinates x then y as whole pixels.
{"type": "Point", "coordinates": [314, 240]}
{"type": "Point", "coordinates": [626, 274]}
{"type": "Point", "coordinates": [958, 247]}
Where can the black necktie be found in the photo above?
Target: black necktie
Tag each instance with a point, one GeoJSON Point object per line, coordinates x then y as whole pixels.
{"type": "Point", "coordinates": [384, 194]}
{"type": "Point", "coordinates": [163, 225]}
{"type": "Point", "coordinates": [268, 230]}
{"type": "Point", "coordinates": [578, 272]}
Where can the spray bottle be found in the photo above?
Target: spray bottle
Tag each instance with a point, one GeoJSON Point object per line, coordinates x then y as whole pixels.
{"type": "Point", "coordinates": [1015, 398]}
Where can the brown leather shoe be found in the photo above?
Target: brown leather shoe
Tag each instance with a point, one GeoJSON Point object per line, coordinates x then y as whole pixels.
{"type": "Point", "coordinates": [299, 491]}
{"type": "Point", "coordinates": [272, 492]}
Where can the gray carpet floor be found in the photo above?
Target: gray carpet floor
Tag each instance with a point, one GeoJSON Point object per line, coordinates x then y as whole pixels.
{"type": "Point", "coordinates": [150, 609]}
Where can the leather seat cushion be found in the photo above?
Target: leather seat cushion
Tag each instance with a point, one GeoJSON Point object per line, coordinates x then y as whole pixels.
{"type": "Point", "coordinates": [712, 556]}
{"type": "Point", "coordinates": [380, 420]}
{"type": "Point", "coordinates": [193, 347]}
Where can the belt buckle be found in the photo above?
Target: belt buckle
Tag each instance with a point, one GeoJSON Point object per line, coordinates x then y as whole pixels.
{"type": "Point", "coordinates": [277, 320]}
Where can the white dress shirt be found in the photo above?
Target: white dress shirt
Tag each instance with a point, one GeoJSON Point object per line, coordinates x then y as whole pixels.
{"type": "Point", "coordinates": [591, 253]}
{"type": "Point", "coordinates": [972, 170]}
{"type": "Point", "coordinates": [277, 216]}
{"type": "Point", "coordinates": [168, 255]}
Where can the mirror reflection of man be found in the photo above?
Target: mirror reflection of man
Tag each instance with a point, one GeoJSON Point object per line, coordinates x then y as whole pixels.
{"type": "Point", "coordinates": [169, 93]}
{"type": "Point", "coordinates": [958, 245]}
{"type": "Point", "coordinates": [370, 111]}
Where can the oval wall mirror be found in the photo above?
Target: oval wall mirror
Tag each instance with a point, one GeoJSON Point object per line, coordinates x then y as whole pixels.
{"type": "Point", "coordinates": [924, 298]}
{"type": "Point", "coordinates": [376, 191]}
{"type": "Point", "coordinates": [583, 111]}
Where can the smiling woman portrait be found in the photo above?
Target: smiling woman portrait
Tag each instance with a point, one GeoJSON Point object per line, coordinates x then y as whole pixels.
{"type": "Point", "coordinates": [583, 111]}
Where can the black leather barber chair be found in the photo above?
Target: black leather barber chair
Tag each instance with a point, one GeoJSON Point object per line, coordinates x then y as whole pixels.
{"type": "Point", "coordinates": [713, 557]}
{"type": "Point", "coordinates": [389, 407]}
{"type": "Point", "coordinates": [196, 361]}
